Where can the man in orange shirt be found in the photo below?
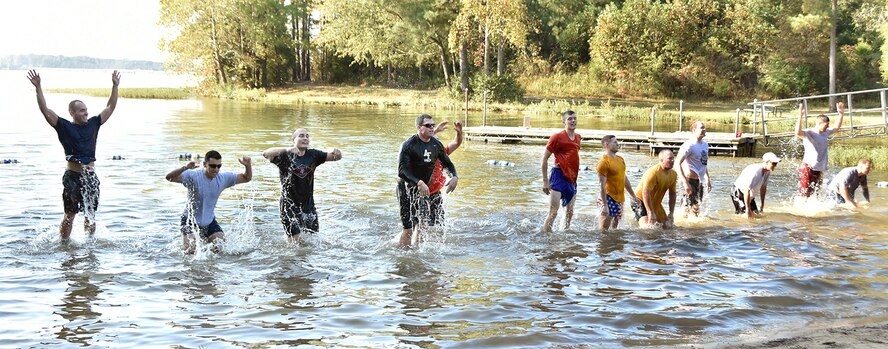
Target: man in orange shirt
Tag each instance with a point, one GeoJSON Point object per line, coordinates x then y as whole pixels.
{"type": "Point", "coordinates": [438, 179]}
{"type": "Point", "coordinates": [561, 183]}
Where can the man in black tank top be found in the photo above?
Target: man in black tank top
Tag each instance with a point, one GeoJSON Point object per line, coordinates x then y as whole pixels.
{"type": "Point", "coordinates": [296, 166]}
{"type": "Point", "coordinates": [416, 162]}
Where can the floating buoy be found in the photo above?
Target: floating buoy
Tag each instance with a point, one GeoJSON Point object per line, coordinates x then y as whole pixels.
{"type": "Point", "coordinates": [882, 184]}
{"type": "Point", "coordinates": [10, 161]}
{"type": "Point", "coordinates": [117, 157]}
{"type": "Point", "coordinates": [189, 156]}
{"type": "Point", "coordinates": [501, 163]}
{"type": "Point", "coordinates": [634, 170]}
{"type": "Point", "coordinates": [586, 168]}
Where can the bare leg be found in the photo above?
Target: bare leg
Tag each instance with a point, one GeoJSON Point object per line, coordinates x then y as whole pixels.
{"type": "Point", "coordinates": [220, 236]}
{"type": "Point", "coordinates": [406, 237]}
{"type": "Point", "coordinates": [89, 226]}
{"type": "Point", "coordinates": [554, 202]}
{"type": "Point", "coordinates": [568, 215]}
{"type": "Point", "coordinates": [296, 239]}
{"type": "Point", "coordinates": [65, 226]}
{"type": "Point", "coordinates": [188, 243]}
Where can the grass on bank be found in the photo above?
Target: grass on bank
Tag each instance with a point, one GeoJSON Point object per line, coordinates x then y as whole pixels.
{"type": "Point", "coordinates": [138, 92]}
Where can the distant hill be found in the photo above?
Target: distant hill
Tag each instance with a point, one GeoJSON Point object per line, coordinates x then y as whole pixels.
{"type": "Point", "coordinates": [19, 62]}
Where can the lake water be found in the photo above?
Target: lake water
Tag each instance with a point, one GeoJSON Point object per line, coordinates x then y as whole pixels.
{"type": "Point", "coordinates": [489, 280]}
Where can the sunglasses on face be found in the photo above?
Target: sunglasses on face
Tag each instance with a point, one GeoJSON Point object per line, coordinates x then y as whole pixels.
{"type": "Point", "coordinates": [428, 125]}
{"type": "Point", "coordinates": [214, 165]}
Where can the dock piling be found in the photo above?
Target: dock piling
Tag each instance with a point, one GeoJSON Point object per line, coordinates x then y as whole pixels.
{"type": "Point", "coordinates": [653, 114]}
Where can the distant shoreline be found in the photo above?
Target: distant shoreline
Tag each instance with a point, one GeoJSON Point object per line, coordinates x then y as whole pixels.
{"type": "Point", "coordinates": [31, 61]}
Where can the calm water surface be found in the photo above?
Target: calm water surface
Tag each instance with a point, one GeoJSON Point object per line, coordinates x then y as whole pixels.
{"type": "Point", "coordinates": [488, 280]}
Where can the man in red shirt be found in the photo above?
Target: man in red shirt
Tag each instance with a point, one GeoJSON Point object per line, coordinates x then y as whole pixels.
{"type": "Point", "coordinates": [438, 178]}
{"type": "Point", "coordinates": [561, 183]}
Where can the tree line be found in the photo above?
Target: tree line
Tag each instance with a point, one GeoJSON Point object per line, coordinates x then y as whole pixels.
{"type": "Point", "coordinates": [703, 48]}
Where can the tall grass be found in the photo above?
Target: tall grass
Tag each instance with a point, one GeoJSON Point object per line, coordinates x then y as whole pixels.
{"type": "Point", "coordinates": [846, 156]}
{"type": "Point", "coordinates": [142, 93]}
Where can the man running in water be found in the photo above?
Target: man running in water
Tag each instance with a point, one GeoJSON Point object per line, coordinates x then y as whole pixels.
{"type": "Point", "coordinates": [816, 142]}
{"type": "Point", "coordinates": [693, 156]}
{"type": "Point", "coordinates": [848, 180]}
{"type": "Point", "coordinates": [656, 182]}
{"type": "Point", "coordinates": [436, 201]}
{"type": "Point", "coordinates": [754, 178]}
{"type": "Point", "coordinates": [205, 185]}
{"type": "Point", "coordinates": [612, 178]}
{"type": "Point", "coordinates": [78, 138]}
{"type": "Point", "coordinates": [561, 183]}
{"type": "Point", "coordinates": [416, 162]}
{"type": "Point", "coordinates": [296, 166]}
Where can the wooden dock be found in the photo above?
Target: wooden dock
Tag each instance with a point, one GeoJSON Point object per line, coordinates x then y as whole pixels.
{"type": "Point", "coordinates": [719, 143]}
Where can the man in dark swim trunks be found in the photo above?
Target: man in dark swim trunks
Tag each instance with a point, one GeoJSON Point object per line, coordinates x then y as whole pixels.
{"type": "Point", "coordinates": [296, 166]}
{"type": "Point", "coordinates": [78, 138]}
{"type": "Point", "coordinates": [416, 163]}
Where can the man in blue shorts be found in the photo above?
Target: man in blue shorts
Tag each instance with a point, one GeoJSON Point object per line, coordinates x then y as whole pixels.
{"type": "Point", "coordinates": [297, 167]}
{"type": "Point", "coordinates": [78, 138]}
{"type": "Point", "coordinates": [204, 187]}
{"type": "Point", "coordinates": [561, 183]}
{"type": "Point", "coordinates": [848, 180]}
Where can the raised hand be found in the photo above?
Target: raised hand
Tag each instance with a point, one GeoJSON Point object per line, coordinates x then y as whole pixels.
{"type": "Point", "coordinates": [457, 126]}
{"type": "Point", "coordinates": [840, 107]}
{"type": "Point", "coordinates": [191, 165]}
{"type": "Point", "coordinates": [246, 161]}
{"type": "Point", "coordinates": [34, 77]}
{"type": "Point", "coordinates": [115, 78]}
{"type": "Point", "coordinates": [441, 126]}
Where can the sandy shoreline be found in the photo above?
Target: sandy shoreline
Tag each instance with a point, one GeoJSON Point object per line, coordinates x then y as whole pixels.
{"type": "Point", "coordinates": [871, 333]}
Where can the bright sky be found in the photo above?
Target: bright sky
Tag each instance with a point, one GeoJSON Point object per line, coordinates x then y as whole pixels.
{"type": "Point", "coordinates": [119, 29]}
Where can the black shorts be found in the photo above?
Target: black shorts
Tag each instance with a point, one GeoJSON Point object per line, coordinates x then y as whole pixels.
{"type": "Point", "coordinates": [739, 201]}
{"type": "Point", "coordinates": [74, 184]}
{"type": "Point", "coordinates": [205, 232]}
{"type": "Point", "coordinates": [696, 196]}
{"type": "Point", "coordinates": [296, 221]}
{"type": "Point", "coordinates": [416, 208]}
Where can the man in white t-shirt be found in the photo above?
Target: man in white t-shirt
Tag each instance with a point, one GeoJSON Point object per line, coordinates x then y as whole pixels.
{"type": "Point", "coordinates": [816, 142]}
{"type": "Point", "coordinates": [692, 158]}
{"type": "Point", "coordinates": [204, 187]}
{"type": "Point", "coordinates": [848, 180]}
{"type": "Point", "coordinates": [754, 178]}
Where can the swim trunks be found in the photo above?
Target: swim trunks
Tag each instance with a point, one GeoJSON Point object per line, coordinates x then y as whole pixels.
{"type": "Point", "coordinates": [73, 184]}
{"type": "Point", "coordinates": [558, 182]}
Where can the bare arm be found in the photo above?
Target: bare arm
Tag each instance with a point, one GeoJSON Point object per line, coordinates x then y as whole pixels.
{"type": "Point", "coordinates": [175, 176]}
{"type": "Point", "coordinates": [747, 200]}
{"type": "Point", "coordinates": [458, 140]}
{"type": "Point", "coordinates": [763, 192]}
{"type": "Point", "coordinates": [248, 170]}
{"type": "Point", "coordinates": [649, 206]}
{"type": "Point", "coordinates": [51, 117]}
{"type": "Point", "coordinates": [545, 169]}
{"type": "Point", "coordinates": [334, 155]}
{"type": "Point", "coordinates": [843, 191]}
{"type": "Point", "coordinates": [631, 192]}
{"type": "Point", "coordinates": [865, 189]}
{"type": "Point", "coordinates": [112, 101]}
{"type": "Point", "coordinates": [798, 128]}
{"type": "Point", "coordinates": [272, 153]}
{"type": "Point", "coordinates": [672, 199]}
{"type": "Point", "coordinates": [681, 173]}
{"type": "Point", "coordinates": [602, 181]}
{"type": "Point", "coordinates": [840, 107]}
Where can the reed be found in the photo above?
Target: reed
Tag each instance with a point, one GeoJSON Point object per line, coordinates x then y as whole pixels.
{"type": "Point", "coordinates": [137, 92]}
{"type": "Point", "coordinates": [846, 156]}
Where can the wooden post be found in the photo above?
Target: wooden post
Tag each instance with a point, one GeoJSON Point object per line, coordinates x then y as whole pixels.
{"type": "Point", "coordinates": [884, 112]}
{"type": "Point", "coordinates": [764, 122]}
{"type": "Point", "coordinates": [484, 111]}
{"type": "Point", "coordinates": [737, 123]}
{"type": "Point", "coordinates": [850, 116]}
{"type": "Point", "coordinates": [466, 110]}
{"type": "Point", "coordinates": [653, 114]}
{"type": "Point", "coordinates": [681, 104]}
{"type": "Point", "coordinates": [755, 115]}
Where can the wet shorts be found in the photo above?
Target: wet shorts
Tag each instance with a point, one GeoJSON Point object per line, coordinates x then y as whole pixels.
{"type": "Point", "coordinates": [696, 196]}
{"type": "Point", "coordinates": [205, 232]}
{"type": "Point", "coordinates": [416, 208]}
{"type": "Point", "coordinates": [74, 184]}
{"type": "Point", "coordinates": [559, 183]}
{"type": "Point", "coordinates": [809, 180]}
{"type": "Point", "coordinates": [612, 208]}
{"type": "Point", "coordinates": [839, 198]}
{"type": "Point", "coordinates": [740, 202]}
{"type": "Point", "coordinates": [296, 221]}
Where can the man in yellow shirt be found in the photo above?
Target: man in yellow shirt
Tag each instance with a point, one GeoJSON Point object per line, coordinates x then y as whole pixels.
{"type": "Point", "coordinates": [656, 182]}
{"type": "Point", "coordinates": [612, 176]}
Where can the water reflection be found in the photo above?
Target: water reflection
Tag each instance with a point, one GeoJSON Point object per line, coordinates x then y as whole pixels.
{"type": "Point", "coordinates": [80, 297]}
{"type": "Point", "coordinates": [422, 290]}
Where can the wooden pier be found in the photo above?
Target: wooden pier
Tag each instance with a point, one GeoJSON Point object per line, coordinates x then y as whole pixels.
{"type": "Point", "coordinates": [719, 143]}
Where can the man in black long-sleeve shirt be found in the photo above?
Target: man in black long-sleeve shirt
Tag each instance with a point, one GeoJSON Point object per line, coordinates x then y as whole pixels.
{"type": "Point", "coordinates": [415, 166]}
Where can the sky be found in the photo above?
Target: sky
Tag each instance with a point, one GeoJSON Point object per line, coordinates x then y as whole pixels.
{"type": "Point", "coordinates": [116, 29]}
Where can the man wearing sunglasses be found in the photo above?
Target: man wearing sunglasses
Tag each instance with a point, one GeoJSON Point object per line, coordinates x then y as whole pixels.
{"type": "Point", "coordinates": [416, 163]}
{"type": "Point", "coordinates": [205, 185]}
{"type": "Point", "coordinates": [753, 179]}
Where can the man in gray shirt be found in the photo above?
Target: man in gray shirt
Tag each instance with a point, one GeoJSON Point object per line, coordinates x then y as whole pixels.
{"type": "Point", "coordinates": [848, 180]}
{"type": "Point", "coordinates": [204, 187]}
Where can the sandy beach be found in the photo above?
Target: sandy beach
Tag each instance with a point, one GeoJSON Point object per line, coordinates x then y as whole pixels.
{"type": "Point", "coordinates": [873, 335]}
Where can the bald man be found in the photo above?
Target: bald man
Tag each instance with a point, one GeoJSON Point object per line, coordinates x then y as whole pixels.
{"type": "Point", "coordinates": [296, 166]}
